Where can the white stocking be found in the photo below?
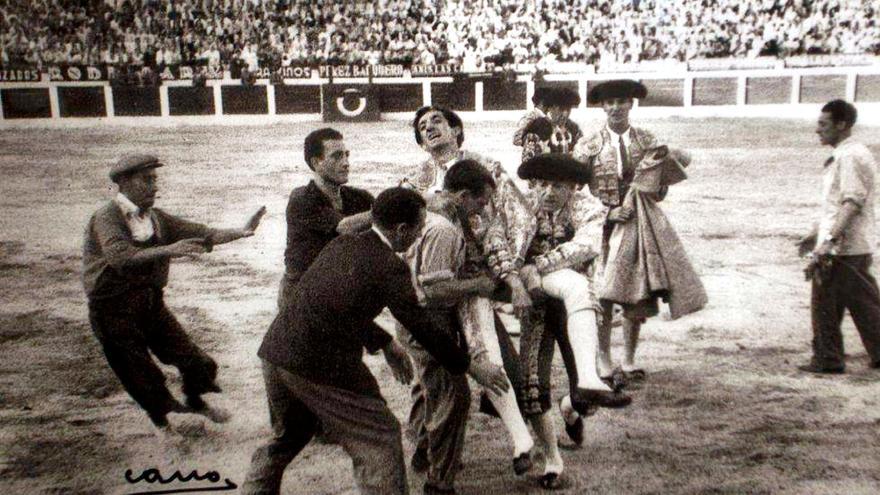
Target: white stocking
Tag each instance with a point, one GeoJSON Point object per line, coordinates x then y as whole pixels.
{"type": "Point", "coordinates": [573, 289]}
{"type": "Point", "coordinates": [546, 433]}
{"type": "Point", "coordinates": [480, 313]}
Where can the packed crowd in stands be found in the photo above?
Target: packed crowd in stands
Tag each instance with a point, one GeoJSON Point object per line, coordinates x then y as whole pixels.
{"type": "Point", "coordinates": [471, 33]}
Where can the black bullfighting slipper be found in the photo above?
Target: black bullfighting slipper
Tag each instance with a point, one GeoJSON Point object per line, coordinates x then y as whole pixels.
{"type": "Point", "coordinates": [550, 481]}
{"type": "Point", "coordinates": [419, 461]}
{"type": "Point", "coordinates": [584, 398]}
{"type": "Point", "coordinates": [822, 370]}
{"type": "Point", "coordinates": [522, 464]}
{"type": "Point", "coordinates": [575, 431]}
{"type": "Point", "coordinates": [616, 380]}
{"type": "Point", "coordinates": [429, 489]}
{"type": "Point", "coordinates": [636, 375]}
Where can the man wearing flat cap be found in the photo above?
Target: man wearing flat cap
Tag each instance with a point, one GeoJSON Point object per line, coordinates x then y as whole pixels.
{"type": "Point", "coordinates": [614, 154]}
{"type": "Point", "coordinates": [554, 105]}
{"type": "Point", "coordinates": [127, 251]}
{"type": "Point", "coordinates": [558, 267]}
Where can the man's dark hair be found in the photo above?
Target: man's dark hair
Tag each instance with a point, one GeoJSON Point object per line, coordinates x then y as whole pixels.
{"type": "Point", "coordinates": [841, 111]}
{"type": "Point", "coordinates": [313, 147]}
{"type": "Point", "coordinates": [451, 117]}
{"type": "Point", "coordinates": [397, 205]}
{"type": "Point", "coordinates": [468, 175]}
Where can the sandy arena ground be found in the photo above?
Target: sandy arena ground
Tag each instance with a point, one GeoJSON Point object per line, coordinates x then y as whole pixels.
{"type": "Point", "coordinates": [723, 410]}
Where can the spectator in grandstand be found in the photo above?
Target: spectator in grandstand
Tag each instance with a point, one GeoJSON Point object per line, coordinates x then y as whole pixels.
{"type": "Point", "coordinates": [841, 245]}
{"type": "Point", "coordinates": [465, 33]}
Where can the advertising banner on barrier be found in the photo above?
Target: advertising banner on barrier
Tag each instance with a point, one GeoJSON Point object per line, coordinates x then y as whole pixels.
{"type": "Point", "coordinates": [66, 72]}
{"type": "Point", "coordinates": [349, 103]}
{"type": "Point", "coordinates": [644, 66]}
{"type": "Point", "coordinates": [187, 72]}
{"type": "Point", "coordinates": [570, 68]}
{"type": "Point", "coordinates": [20, 73]}
{"type": "Point", "coordinates": [386, 70]}
{"type": "Point", "coordinates": [698, 64]}
{"type": "Point", "coordinates": [434, 70]}
{"type": "Point", "coordinates": [839, 60]}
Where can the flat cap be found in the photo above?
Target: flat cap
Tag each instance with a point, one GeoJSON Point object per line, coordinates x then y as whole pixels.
{"type": "Point", "coordinates": [132, 163]}
{"type": "Point", "coordinates": [554, 166]}
{"type": "Point", "coordinates": [618, 88]}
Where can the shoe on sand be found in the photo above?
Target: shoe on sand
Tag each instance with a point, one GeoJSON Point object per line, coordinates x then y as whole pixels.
{"type": "Point", "coordinates": [215, 414]}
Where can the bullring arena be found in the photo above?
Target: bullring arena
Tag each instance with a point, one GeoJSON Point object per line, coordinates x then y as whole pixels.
{"type": "Point", "coordinates": [724, 409]}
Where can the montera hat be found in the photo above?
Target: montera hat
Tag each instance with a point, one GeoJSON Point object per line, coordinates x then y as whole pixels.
{"type": "Point", "coordinates": [556, 96]}
{"type": "Point", "coordinates": [618, 88]}
{"type": "Point", "coordinates": [555, 167]}
{"type": "Point", "coordinates": [130, 164]}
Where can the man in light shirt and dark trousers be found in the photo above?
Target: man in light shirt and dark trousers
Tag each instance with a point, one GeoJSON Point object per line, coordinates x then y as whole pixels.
{"type": "Point", "coordinates": [841, 245]}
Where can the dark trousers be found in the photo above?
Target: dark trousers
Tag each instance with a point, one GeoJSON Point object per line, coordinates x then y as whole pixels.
{"type": "Point", "coordinates": [851, 286]}
{"type": "Point", "coordinates": [441, 403]}
{"type": "Point", "coordinates": [362, 424]}
{"type": "Point", "coordinates": [128, 327]}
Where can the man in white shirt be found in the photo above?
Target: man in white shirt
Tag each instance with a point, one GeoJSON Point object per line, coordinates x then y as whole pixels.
{"type": "Point", "coordinates": [842, 245]}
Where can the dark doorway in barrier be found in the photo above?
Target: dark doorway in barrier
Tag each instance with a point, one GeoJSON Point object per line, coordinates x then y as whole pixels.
{"type": "Point", "coordinates": [244, 100]}
{"type": "Point", "coordinates": [76, 101]}
{"type": "Point", "coordinates": [294, 99]}
{"type": "Point", "coordinates": [134, 101]}
{"type": "Point", "coordinates": [185, 100]}
{"type": "Point", "coordinates": [26, 103]}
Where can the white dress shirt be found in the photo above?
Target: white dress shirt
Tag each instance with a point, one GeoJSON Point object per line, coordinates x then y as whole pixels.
{"type": "Point", "coordinates": [440, 175]}
{"type": "Point", "coordinates": [139, 222]}
{"type": "Point", "coordinates": [615, 141]}
{"type": "Point", "coordinates": [382, 237]}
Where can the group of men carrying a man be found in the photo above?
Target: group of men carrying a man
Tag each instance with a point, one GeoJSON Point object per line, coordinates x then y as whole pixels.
{"type": "Point", "coordinates": [470, 239]}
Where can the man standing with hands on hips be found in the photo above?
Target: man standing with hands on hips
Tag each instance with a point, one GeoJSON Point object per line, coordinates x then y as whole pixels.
{"type": "Point", "coordinates": [842, 244]}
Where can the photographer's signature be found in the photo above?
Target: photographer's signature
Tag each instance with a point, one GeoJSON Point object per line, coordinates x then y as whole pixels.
{"type": "Point", "coordinates": [152, 476]}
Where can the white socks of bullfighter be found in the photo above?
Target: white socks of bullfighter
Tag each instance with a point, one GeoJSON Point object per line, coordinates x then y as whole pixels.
{"type": "Point", "coordinates": [573, 289]}
{"type": "Point", "coordinates": [481, 310]}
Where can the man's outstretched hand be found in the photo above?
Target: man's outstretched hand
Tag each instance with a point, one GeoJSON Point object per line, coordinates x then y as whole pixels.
{"type": "Point", "coordinates": [251, 226]}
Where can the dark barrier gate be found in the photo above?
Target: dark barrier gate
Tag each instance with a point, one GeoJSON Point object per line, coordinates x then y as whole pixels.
{"type": "Point", "coordinates": [185, 100]}
{"type": "Point", "coordinates": [297, 99]}
{"type": "Point", "coordinates": [134, 101]}
{"type": "Point", "coordinates": [244, 100]}
{"type": "Point", "coordinates": [350, 103]}
{"type": "Point", "coordinates": [26, 103]}
{"type": "Point", "coordinates": [77, 101]}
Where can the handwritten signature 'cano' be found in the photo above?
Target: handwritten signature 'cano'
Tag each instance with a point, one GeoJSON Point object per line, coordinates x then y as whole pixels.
{"type": "Point", "coordinates": [152, 475]}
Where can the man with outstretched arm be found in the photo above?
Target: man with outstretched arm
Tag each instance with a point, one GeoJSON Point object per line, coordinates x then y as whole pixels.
{"type": "Point", "coordinates": [127, 252]}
